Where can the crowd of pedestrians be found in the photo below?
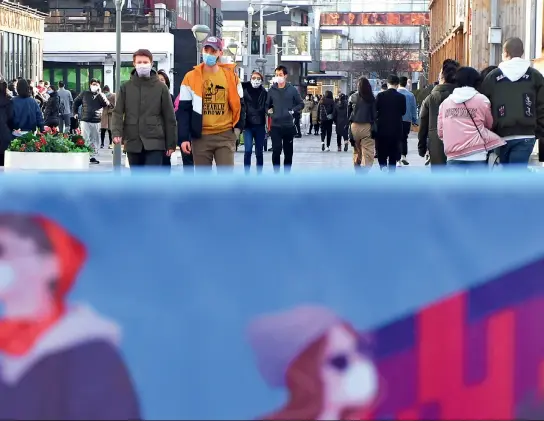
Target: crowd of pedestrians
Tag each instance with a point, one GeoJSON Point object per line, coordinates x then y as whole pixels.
{"type": "Point", "coordinates": [469, 119]}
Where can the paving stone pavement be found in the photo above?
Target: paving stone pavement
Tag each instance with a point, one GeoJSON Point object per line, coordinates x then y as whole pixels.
{"type": "Point", "coordinates": [307, 157]}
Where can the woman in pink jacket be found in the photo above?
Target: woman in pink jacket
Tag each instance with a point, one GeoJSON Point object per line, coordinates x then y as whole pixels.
{"type": "Point", "coordinates": [464, 123]}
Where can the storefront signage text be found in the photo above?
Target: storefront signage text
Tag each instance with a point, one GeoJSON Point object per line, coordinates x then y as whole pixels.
{"type": "Point", "coordinates": [21, 23]}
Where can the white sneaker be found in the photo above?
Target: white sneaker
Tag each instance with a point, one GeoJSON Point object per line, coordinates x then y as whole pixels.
{"type": "Point", "coordinates": [328, 149]}
{"type": "Point", "coordinates": [384, 169]}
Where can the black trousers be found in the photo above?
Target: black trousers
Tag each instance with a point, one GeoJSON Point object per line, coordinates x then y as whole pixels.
{"type": "Point", "coordinates": [406, 128]}
{"type": "Point", "coordinates": [146, 158]}
{"type": "Point", "coordinates": [282, 139]}
{"type": "Point", "coordinates": [297, 124]}
{"type": "Point", "coordinates": [326, 131]}
{"type": "Point", "coordinates": [103, 136]}
{"type": "Point", "coordinates": [388, 150]}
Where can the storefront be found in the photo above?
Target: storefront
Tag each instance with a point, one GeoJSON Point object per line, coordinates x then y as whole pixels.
{"type": "Point", "coordinates": [21, 41]}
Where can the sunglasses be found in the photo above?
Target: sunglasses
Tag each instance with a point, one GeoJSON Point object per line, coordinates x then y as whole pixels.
{"type": "Point", "coordinates": [342, 360]}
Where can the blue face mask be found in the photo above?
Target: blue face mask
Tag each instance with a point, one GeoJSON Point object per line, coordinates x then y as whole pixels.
{"type": "Point", "coordinates": [209, 59]}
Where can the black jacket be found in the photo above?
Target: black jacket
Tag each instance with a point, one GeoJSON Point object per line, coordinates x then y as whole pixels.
{"type": "Point", "coordinates": [255, 110]}
{"type": "Point", "coordinates": [282, 101]}
{"type": "Point", "coordinates": [390, 107]}
{"type": "Point", "coordinates": [6, 122]}
{"type": "Point", "coordinates": [361, 111]}
{"type": "Point", "coordinates": [340, 117]}
{"type": "Point", "coordinates": [517, 106]}
{"type": "Point", "coordinates": [52, 110]}
{"type": "Point", "coordinates": [326, 109]}
{"type": "Point", "coordinates": [428, 121]}
{"type": "Point", "coordinates": [92, 104]}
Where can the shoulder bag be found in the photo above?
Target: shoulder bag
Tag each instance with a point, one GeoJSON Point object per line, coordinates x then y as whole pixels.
{"type": "Point", "coordinates": [492, 158]}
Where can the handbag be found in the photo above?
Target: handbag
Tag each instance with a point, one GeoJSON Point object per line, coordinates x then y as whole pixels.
{"type": "Point", "coordinates": [494, 161]}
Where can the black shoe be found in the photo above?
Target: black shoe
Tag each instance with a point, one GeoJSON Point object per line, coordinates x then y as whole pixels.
{"type": "Point", "coordinates": [270, 150]}
{"type": "Point", "coordinates": [339, 149]}
{"type": "Point", "coordinates": [93, 160]}
{"type": "Point", "coordinates": [322, 146]}
{"type": "Point", "coordinates": [102, 146]}
{"type": "Point", "coordinates": [345, 146]}
{"type": "Point", "coordinates": [298, 136]}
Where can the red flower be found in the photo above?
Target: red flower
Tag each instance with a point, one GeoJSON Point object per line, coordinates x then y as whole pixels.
{"type": "Point", "coordinates": [80, 142]}
{"type": "Point", "coordinates": [22, 148]}
{"type": "Point", "coordinates": [42, 139]}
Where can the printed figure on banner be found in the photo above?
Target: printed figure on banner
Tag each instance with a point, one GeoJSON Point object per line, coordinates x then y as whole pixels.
{"type": "Point", "coordinates": [320, 359]}
{"type": "Point", "coordinates": [57, 361]}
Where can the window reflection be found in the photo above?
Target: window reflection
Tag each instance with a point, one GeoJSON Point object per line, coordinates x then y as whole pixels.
{"type": "Point", "coordinates": [295, 43]}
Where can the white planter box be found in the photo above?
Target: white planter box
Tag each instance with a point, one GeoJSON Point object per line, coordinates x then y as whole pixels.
{"type": "Point", "coordinates": [47, 161]}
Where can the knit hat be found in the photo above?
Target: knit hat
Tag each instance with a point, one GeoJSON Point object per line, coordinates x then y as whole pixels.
{"type": "Point", "coordinates": [279, 338]}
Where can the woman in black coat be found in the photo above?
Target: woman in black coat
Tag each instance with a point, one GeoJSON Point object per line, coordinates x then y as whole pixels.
{"type": "Point", "coordinates": [6, 120]}
{"type": "Point", "coordinates": [340, 117]}
{"type": "Point", "coordinates": [51, 112]}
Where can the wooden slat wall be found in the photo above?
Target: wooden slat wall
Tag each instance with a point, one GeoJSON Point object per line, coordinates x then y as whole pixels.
{"type": "Point", "coordinates": [453, 48]}
{"type": "Point", "coordinates": [444, 43]}
{"type": "Point", "coordinates": [511, 20]}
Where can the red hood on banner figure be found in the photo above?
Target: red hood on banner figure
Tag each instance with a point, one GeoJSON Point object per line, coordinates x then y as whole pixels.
{"type": "Point", "coordinates": [318, 358]}
{"type": "Point", "coordinates": [56, 361]}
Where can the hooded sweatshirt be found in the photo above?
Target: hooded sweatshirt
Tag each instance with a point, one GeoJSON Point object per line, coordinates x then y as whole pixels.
{"type": "Point", "coordinates": [516, 93]}
{"type": "Point", "coordinates": [467, 136]}
{"type": "Point", "coordinates": [284, 102]}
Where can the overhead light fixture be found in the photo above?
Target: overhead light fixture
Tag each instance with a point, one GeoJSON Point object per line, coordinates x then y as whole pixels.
{"type": "Point", "coordinates": [200, 32]}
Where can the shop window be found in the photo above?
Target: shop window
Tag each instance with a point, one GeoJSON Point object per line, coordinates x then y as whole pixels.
{"type": "Point", "coordinates": [83, 80]}
{"type": "Point", "coordinates": [99, 74]}
{"type": "Point", "coordinates": [57, 76]}
{"type": "Point", "coordinates": [71, 79]}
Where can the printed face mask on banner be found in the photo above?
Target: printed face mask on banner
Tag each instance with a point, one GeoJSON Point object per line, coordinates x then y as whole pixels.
{"type": "Point", "coordinates": [143, 70]}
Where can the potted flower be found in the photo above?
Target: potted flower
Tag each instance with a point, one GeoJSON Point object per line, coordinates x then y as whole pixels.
{"type": "Point", "coordinates": [49, 150]}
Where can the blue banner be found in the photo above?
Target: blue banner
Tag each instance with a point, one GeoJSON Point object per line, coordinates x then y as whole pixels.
{"type": "Point", "coordinates": [148, 297]}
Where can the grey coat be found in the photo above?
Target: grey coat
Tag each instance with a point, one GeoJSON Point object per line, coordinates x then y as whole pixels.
{"type": "Point", "coordinates": [144, 115]}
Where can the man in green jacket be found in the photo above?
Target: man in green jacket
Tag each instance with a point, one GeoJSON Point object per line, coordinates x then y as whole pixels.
{"type": "Point", "coordinates": [516, 92]}
{"type": "Point", "coordinates": [143, 117]}
{"type": "Point", "coordinates": [428, 116]}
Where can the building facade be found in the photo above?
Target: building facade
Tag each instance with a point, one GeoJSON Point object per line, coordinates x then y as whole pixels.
{"type": "Point", "coordinates": [286, 37]}
{"type": "Point", "coordinates": [21, 41]}
{"type": "Point", "coordinates": [80, 43]}
{"type": "Point", "coordinates": [473, 31]}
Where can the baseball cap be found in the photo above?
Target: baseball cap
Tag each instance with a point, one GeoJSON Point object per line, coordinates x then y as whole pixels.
{"type": "Point", "coordinates": [214, 42]}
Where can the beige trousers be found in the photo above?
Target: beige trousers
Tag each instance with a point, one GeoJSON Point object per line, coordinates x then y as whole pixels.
{"type": "Point", "coordinates": [220, 146]}
{"type": "Point", "coordinates": [364, 148]}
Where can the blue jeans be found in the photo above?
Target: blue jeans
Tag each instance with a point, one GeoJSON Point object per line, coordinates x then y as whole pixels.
{"type": "Point", "coordinates": [460, 165]}
{"type": "Point", "coordinates": [516, 151]}
{"type": "Point", "coordinates": [256, 133]}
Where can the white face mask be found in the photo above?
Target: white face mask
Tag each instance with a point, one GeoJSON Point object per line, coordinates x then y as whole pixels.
{"type": "Point", "coordinates": [256, 82]}
{"type": "Point", "coordinates": [94, 88]}
{"type": "Point", "coordinates": [7, 276]}
{"type": "Point", "coordinates": [143, 70]}
{"type": "Point", "coordinates": [279, 79]}
{"type": "Point", "coordinates": [360, 383]}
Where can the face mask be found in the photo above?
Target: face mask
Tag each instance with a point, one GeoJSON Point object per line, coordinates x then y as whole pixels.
{"type": "Point", "coordinates": [209, 59]}
{"type": "Point", "coordinates": [50, 91]}
{"type": "Point", "coordinates": [256, 83]}
{"type": "Point", "coordinates": [360, 382]}
{"type": "Point", "coordinates": [94, 88]}
{"type": "Point", "coordinates": [143, 70]}
{"type": "Point", "coordinates": [7, 276]}
{"type": "Point", "coordinates": [279, 79]}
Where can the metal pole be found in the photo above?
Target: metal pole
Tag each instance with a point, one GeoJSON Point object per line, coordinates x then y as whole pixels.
{"type": "Point", "coordinates": [117, 146]}
{"type": "Point", "coordinates": [261, 31]}
{"type": "Point", "coordinates": [249, 31]}
{"type": "Point", "coordinates": [276, 64]}
{"type": "Point", "coordinates": [197, 52]}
